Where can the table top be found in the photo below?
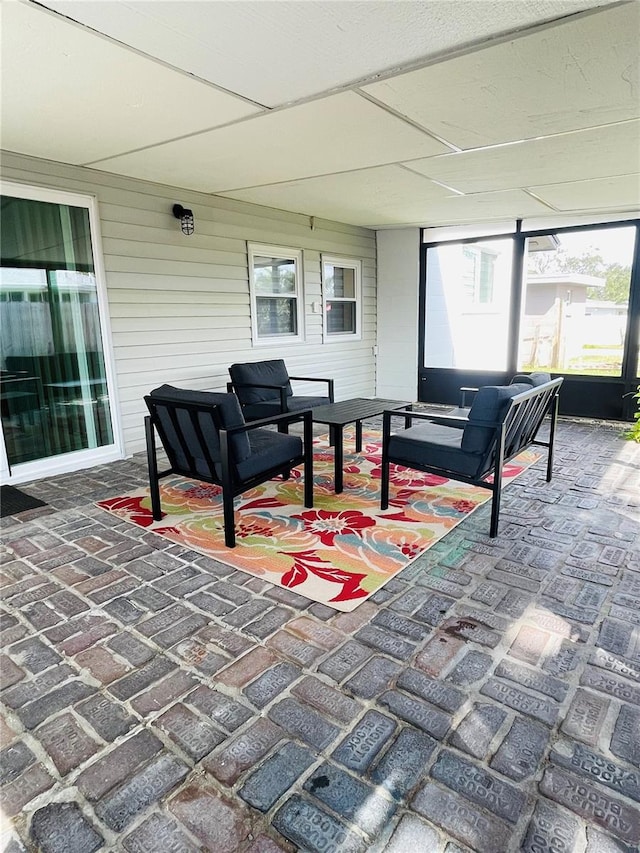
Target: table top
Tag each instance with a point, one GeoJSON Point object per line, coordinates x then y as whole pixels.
{"type": "Point", "coordinates": [348, 411]}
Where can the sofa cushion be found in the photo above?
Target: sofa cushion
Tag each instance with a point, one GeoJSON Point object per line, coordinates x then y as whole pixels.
{"type": "Point", "coordinates": [272, 372]}
{"type": "Point", "coordinates": [489, 407]}
{"type": "Point", "coordinates": [230, 414]}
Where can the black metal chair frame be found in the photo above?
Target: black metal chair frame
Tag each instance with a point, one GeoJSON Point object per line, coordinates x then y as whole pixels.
{"type": "Point", "coordinates": [232, 485]}
{"type": "Point", "coordinates": [514, 433]}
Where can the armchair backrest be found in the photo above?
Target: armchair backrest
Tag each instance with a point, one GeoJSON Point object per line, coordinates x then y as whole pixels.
{"type": "Point", "coordinates": [189, 422]}
{"type": "Point", "coordinates": [533, 379]}
{"type": "Point", "coordinates": [273, 372]}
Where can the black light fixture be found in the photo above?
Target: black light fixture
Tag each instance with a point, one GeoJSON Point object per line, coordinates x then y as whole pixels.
{"type": "Point", "coordinates": [186, 218]}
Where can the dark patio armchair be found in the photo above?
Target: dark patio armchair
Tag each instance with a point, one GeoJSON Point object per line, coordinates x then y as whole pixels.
{"type": "Point", "coordinates": [264, 389]}
{"type": "Point", "coordinates": [205, 437]}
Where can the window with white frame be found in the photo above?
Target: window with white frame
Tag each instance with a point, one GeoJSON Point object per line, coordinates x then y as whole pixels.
{"type": "Point", "coordinates": [341, 292]}
{"type": "Point", "coordinates": [275, 280]}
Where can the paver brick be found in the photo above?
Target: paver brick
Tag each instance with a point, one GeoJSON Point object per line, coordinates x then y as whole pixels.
{"type": "Point", "coordinates": [272, 683]}
{"type": "Point", "coordinates": [316, 632]}
{"type": "Point", "coordinates": [326, 700]}
{"type": "Point", "coordinates": [470, 668]}
{"type": "Point", "coordinates": [142, 678]}
{"type": "Point", "coordinates": [139, 791]}
{"type": "Point", "coordinates": [550, 829]}
{"type": "Point", "coordinates": [34, 713]}
{"type": "Point", "coordinates": [437, 653]}
{"type": "Point", "coordinates": [195, 735]}
{"type": "Point", "coordinates": [611, 684]}
{"type": "Point", "coordinates": [369, 735]}
{"type": "Point", "coordinates": [62, 828]}
{"type": "Point", "coordinates": [532, 679]}
{"type": "Point", "coordinates": [34, 655]}
{"type": "Point", "coordinates": [583, 761]}
{"type": "Point", "coordinates": [350, 798]}
{"type": "Point", "coordinates": [520, 753]}
{"type": "Point", "coordinates": [434, 691]}
{"type": "Point", "coordinates": [159, 834]}
{"type": "Point", "coordinates": [16, 794]}
{"type": "Point", "coordinates": [13, 760]}
{"type": "Point", "coordinates": [101, 664]}
{"type": "Point", "coordinates": [475, 733]}
{"type": "Point", "coordinates": [224, 711]}
{"type": "Point", "coordinates": [345, 660]}
{"type": "Point", "coordinates": [249, 666]}
{"type": "Point", "coordinates": [462, 819]}
{"type": "Point", "coordinates": [131, 648]}
{"type": "Point", "coordinates": [541, 709]}
{"type": "Point", "coordinates": [66, 742]}
{"type": "Point", "coordinates": [592, 803]}
{"type": "Point", "coordinates": [625, 741]}
{"type": "Point", "coordinates": [374, 677]}
{"type": "Point", "coordinates": [108, 771]}
{"type": "Point", "coordinates": [244, 751]}
{"type": "Point", "coordinates": [10, 672]}
{"type": "Point", "coordinates": [164, 693]}
{"type": "Point", "coordinates": [529, 644]}
{"type": "Point", "coordinates": [481, 787]}
{"type": "Point", "coordinates": [404, 763]}
{"type": "Point", "coordinates": [417, 712]}
{"type": "Point", "coordinates": [219, 824]}
{"type": "Point", "coordinates": [108, 718]}
{"type": "Point", "coordinates": [413, 834]}
{"type": "Point", "coordinates": [314, 829]}
{"type": "Point", "coordinates": [275, 775]}
{"type": "Point", "coordinates": [303, 722]}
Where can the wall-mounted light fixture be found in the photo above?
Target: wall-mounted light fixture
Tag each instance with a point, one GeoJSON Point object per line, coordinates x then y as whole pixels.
{"type": "Point", "coordinates": [186, 218]}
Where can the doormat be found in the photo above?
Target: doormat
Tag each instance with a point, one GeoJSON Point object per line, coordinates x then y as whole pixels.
{"type": "Point", "coordinates": [338, 553]}
{"type": "Point", "coordinates": [13, 501]}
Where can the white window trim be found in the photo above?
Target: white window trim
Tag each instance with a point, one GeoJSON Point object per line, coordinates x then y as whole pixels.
{"type": "Point", "coordinates": [354, 264]}
{"type": "Point", "coordinates": [79, 459]}
{"type": "Point", "coordinates": [287, 253]}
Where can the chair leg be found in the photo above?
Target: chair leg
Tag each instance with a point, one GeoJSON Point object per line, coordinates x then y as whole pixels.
{"type": "Point", "coordinates": [152, 464]}
{"type": "Point", "coordinates": [308, 460]}
{"type": "Point", "coordinates": [229, 518]}
{"type": "Point", "coordinates": [552, 436]}
{"type": "Point", "coordinates": [495, 512]}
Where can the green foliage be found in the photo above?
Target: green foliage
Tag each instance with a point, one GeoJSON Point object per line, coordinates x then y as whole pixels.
{"type": "Point", "coordinates": [633, 433]}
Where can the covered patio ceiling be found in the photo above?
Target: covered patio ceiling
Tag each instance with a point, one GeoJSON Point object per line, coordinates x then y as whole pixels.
{"type": "Point", "coordinates": [383, 114]}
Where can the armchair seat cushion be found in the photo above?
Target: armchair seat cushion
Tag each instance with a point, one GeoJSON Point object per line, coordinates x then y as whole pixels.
{"type": "Point", "coordinates": [268, 408]}
{"type": "Point", "coordinates": [268, 449]}
{"type": "Point", "coordinates": [434, 445]}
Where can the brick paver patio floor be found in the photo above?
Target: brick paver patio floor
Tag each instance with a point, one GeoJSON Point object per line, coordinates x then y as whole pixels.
{"type": "Point", "coordinates": [487, 699]}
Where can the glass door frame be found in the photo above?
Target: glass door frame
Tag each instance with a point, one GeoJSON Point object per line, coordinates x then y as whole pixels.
{"type": "Point", "coordinates": [79, 459]}
{"type": "Point", "coordinates": [607, 397]}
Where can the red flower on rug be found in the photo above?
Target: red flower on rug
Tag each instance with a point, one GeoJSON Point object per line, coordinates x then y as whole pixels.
{"type": "Point", "coordinates": [307, 562]}
{"type": "Point", "coordinates": [326, 525]}
{"type": "Point", "coordinates": [132, 506]}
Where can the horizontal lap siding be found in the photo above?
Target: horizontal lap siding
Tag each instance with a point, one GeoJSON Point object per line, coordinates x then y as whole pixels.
{"type": "Point", "coordinates": [179, 306]}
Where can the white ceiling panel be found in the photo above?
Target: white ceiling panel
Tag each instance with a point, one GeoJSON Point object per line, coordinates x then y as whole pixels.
{"type": "Point", "coordinates": [286, 51]}
{"type": "Point", "coordinates": [622, 191]}
{"type": "Point", "coordinates": [561, 78]}
{"type": "Point", "coordinates": [388, 195]}
{"type": "Point", "coordinates": [74, 96]}
{"type": "Point", "coordinates": [578, 156]}
{"type": "Point", "coordinates": [338, 133]}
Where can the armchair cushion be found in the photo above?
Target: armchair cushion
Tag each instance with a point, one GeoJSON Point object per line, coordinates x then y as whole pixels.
{"type": "Point", "coordinates": [272, 372]}
{"type": "Point", "coordinates": [489, 406]}
{"type": "Point", "coordinates": [533, 379]}
{"type": "Point", "coordinates": [268, 449]}
{"type": "Point", "coordinates": [230, 415]}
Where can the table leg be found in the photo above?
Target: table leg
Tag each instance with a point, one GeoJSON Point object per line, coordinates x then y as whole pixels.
{"type": "Point", "coordinates": [358, 436]}
{"type": "Point", "coordinates": [338, 459]}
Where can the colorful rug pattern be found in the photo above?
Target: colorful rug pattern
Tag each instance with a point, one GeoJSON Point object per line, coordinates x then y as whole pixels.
{"type": "Point", "coordinates": [338, 553]}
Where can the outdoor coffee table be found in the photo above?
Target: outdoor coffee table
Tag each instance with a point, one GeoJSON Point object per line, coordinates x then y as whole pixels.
{"type": "Point", "coordinates": [338, 415]}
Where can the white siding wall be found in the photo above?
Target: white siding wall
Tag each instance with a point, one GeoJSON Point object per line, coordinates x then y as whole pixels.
{"type": "Point", "coordinates": [398, 279]}
{"type": "Point", "coordinates": [179, 305]}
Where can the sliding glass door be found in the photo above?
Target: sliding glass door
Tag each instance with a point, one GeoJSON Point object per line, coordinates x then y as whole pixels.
{"type": "Point", "coordinates": [56, 406]}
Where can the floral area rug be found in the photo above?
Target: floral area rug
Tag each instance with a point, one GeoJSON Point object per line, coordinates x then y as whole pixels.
{"type": "Point", "coordinates": [338, 553]}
